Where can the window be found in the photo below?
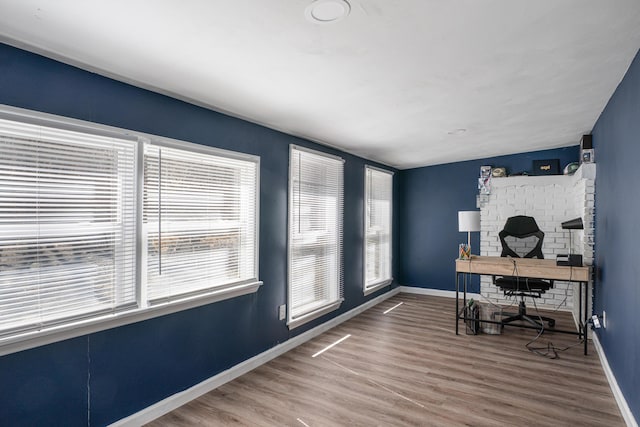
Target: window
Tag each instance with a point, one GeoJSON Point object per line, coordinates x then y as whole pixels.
{"type": "Point", "coordinates": [100, 227]}
{"type": "Point", "coordinates": [67, 225]}
{"type": "Point", "coordinates": [315, 234]}
{"type": "Point", "coordinates": [378, 207]}
{"type": "Point", "coordinates": [199, 222]}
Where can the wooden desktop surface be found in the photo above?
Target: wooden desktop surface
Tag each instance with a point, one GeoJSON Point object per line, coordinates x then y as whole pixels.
{"type": "Point", "coordinates": [524, 267]}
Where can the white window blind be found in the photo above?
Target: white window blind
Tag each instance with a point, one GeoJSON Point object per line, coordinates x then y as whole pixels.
{"type": "Point", "coordinates": [67, 225]}
{"type": "Point", "coordinates": [315, 234]}
{"type": "Point", "coordinates": [200, 222]}
{"type": "Point", "coordinates": [378, 210]}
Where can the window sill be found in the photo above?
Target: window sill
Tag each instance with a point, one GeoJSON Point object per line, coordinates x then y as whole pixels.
{"type": "Point", "coordinates": [15, 343]}
{"type": "Point", "coordinates": [299, 321]}
{"type": "Point", "coordinates": [377, 286]}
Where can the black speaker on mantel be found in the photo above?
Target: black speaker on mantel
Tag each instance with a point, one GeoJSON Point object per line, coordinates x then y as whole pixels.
{"type": "Point", "coordinates": [586, 149]}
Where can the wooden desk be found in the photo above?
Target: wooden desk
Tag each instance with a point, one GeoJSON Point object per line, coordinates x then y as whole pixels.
{"type": "Point", "coordinates": [527, 267]}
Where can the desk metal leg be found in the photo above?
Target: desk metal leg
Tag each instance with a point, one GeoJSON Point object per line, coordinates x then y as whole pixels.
{"type": "Point", "coordinates": [580, 317]}
{"type": "Point", "coordinates": [464, 293]}
{"type": "Point", "coordinates": [464, 297]}
{"type": "Point", "coordinates": [457, 301]}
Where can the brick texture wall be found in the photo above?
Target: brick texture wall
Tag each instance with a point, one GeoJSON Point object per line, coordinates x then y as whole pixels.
{"type": "Point", "coordinates": [551, 200]}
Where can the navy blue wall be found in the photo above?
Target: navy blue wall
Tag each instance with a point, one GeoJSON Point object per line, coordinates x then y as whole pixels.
{"type": "Point", "coordinates": [429, 203]}
{"type": "Point", "coordinates": [120, 371]}
{"type": "Point", "coordinates": [616, 139]}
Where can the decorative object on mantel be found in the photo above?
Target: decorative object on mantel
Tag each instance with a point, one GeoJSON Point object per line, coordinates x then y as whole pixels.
{"type": "Point", "coordinates": [484, 182]}
{"type": "Point", "coordinates": [546, 167]}
{"type": "Point", "coordinates": [571, 168]}
{"type": "Point", "coordinates": [587, 154]}
{"type": "Point", "coordinates": [467, 221]}
{"type": "Point", "coordinates": [499, 172]}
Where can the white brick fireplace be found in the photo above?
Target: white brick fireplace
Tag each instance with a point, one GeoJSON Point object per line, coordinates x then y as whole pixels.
{"type": "Point", "coordinates": [551, 200]}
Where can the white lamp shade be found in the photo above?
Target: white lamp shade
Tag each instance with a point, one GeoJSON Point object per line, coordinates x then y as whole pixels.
{"type": "Point", "coordinates": [468, 221]}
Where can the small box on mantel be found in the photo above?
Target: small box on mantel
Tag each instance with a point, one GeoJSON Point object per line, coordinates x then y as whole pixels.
{"type": "Point", "coordinates": [546, 167]}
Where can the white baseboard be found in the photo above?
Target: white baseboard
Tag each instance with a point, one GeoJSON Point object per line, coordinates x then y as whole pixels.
{"type": "Point", "coordinates": [629, 419]}
{"type": "Point", "coordinates": [175, 401]}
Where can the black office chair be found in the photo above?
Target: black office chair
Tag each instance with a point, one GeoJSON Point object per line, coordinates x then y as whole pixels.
{"type": "Point", "coordinates": [522, 227]}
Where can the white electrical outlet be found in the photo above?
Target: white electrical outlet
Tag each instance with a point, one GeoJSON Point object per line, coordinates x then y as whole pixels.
{"type": "Point", "coordinates": [595, 321]}
{"type": "Point", "coordinates": [282, 312]}
{"type": "Point", "coordinates": [604, 319]}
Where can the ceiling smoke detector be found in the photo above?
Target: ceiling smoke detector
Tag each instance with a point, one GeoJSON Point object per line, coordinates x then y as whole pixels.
{"type": "Point", "coordinates": [327, 11]}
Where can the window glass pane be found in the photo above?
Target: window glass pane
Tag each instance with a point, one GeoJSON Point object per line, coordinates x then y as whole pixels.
{"type": "Point", "coordinates": [378, 205]}
{"type": "Point", "coordinates": [315, 231]}
{"type": "Point", "coordinates": [199, 221]}
{"type": "Point", "coordinates": [67, 225]}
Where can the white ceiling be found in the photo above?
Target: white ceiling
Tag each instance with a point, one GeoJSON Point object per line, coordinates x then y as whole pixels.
{"type": "Point", "coordinates": [407, 83]}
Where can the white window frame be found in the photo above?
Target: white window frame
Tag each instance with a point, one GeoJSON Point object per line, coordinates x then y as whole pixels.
{"type": "Point", "coordinates": [161, 143]}
{"type": "Point", "coordinates": [334, 300]}
{"type": "Point", "coordinates": [141, 309]}
{"type": "Point", "coordinates": [369, 285]}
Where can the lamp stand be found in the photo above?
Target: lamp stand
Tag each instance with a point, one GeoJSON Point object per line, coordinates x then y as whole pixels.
{"type": "Point", "coordinates": [467, 275]}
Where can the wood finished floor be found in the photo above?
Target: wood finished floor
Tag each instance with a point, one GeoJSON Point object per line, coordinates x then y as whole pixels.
{"type": "Point", "coordinates": [408, 368]}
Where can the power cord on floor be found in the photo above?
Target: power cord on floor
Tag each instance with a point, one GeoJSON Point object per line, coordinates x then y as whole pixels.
{"type": "Point", "coordinates": [550, 350]}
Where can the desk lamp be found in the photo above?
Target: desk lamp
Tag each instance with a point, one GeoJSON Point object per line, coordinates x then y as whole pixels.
{"type": "Point", "coordinates": [468, 221]}
{"type": "Point", "coordinates": [572, 260]}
